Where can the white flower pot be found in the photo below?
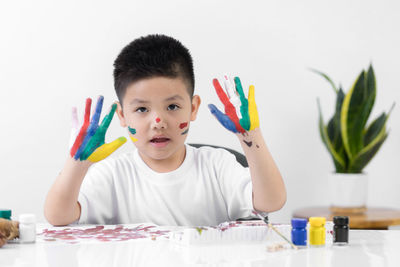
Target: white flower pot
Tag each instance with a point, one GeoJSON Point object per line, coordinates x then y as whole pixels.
{"type": "Point", "coordinates": [348, 192]}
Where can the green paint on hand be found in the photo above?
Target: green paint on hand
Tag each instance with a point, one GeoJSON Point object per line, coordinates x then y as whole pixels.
{"type": "Point", "coordinates": [244, 107]}
{"type": "Point", "coordinates": [98, 139]}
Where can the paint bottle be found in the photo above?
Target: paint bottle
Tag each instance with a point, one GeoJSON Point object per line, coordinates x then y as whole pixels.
{"type": "Point", "coordinates": [317, 231]}
{"type": "Point", "coordinates": [5, 214]}
{"type": "Point", "coordinates": [299, 232]}
{"type": "Point", "coordinates": [341, 230]}
{"type": "Point", "coordinates": [27, 228]}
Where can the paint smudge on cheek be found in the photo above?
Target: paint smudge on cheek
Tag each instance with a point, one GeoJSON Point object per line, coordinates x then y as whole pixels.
{"type": "Point", "coordinates": [185, 132]}
{"type": "Point", "coordinates": [131, 130]}
{"type": "Point", "coordinates": [183, 125]}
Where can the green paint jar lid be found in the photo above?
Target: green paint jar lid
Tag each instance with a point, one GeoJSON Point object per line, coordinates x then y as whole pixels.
{"type": "Point", "coordinates": [6, 214]}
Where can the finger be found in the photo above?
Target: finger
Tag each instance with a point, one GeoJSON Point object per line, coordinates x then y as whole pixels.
{"type": "Point", "coordinates": [107, 149]}
{"type": "Point", "coordinates": [94, 124]}
{"type": "Point", "coordinates": [232, 94]}
{"type": "Point", "coordinates": [244, 107]}
{"type": "Point", "coordinates": [74, 127]}
{"type": "Point", "coordinates": [229, 108]}
{"type": "Point", "coordinates": [82, 132]}
{"type": "Point", "coordinates": [97, 113]}
{"type": "Point", "coordinates": [220, 92]}
{"type": "Point", "coordinates": [229, 87]}
{"type": "Point", "coordinates": [254, 120]}
{"type": "Point", "coordinates": [87, 110]}
{"type": "Point", "coordinates": [223, 119]}
{"type": "Point", "coordinates": [74, 118]}
{"type": "Point", "coordinates": [105, 123]}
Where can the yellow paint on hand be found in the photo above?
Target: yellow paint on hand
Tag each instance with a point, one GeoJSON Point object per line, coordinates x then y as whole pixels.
{"type": "Point", "coordinates": [254, 120]}
{"type": "Point", "coordinates": [107, 149]}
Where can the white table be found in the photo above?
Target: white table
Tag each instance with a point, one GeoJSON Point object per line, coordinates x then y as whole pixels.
{"type": "Point", "coordinates": [367, 248]}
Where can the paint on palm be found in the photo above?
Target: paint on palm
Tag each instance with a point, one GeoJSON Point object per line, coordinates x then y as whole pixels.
{"type": "Point", "coordinates": [231, 98]}
{"type": "Point", "coordinates": [89, 139]}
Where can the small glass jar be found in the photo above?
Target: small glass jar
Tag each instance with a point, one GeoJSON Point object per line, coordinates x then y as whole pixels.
{"type": "Point", "coordinates": [299, 232]}
{"type": "Point", "coordinates": [27, 228]}
{"type": "Point", "coordinates": [317, 231]}
{"type": "Point", "coordinates": [5, 214]}
{"type": "Point", "coordinates": [341, 230]}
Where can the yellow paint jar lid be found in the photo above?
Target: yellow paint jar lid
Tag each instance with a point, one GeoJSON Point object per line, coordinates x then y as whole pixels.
{"type": "Point", "coordinates": [317, 221]}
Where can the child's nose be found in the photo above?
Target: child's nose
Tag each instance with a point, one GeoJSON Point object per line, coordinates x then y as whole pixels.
{"type": "Point", "coordinates": [159, 122]}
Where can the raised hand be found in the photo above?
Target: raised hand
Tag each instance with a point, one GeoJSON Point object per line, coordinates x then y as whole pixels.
{"type": "Point", "coordinates": [248, 110]}
{"type": "Point", "coordinates": [90, 143]}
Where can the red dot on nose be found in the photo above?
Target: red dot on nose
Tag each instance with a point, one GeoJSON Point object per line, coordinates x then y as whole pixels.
{"type": "Point", "coordinates": [158, 120]}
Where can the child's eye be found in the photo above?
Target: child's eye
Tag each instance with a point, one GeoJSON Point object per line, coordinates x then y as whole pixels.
{"type": "Point", "coordinates": [141, 110]}
{"type": "Point", "coordinates": [173, 107]}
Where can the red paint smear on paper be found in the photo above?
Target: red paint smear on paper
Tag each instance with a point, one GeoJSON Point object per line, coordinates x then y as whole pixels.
{"type": "Point", "coordinates": [183, 125]}
{"type": "Point", "coordinates": [119, 233]}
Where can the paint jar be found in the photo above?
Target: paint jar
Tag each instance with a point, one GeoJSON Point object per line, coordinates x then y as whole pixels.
{"type": "Point", "coordinates": [341, 230]}
{"type": "Point", "coordinates": [5, 214]}
{"type": "Point", "coordinates": [27, 228]}
{"type": "Point", "coordinates": [317, 231]}
{"type": "Point", "coordinates": [299, 232]}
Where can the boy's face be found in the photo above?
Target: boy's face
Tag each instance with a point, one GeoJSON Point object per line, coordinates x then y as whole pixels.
{"type": "Point", "coordinates": [158, 112]}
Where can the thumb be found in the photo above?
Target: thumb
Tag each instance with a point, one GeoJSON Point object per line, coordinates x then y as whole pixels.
{"type": "Point", "coordinates": [105, 150]}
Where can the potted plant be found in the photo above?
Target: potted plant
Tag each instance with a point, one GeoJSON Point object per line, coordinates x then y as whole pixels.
{"type": "Point", "coordinates": [352, 141]}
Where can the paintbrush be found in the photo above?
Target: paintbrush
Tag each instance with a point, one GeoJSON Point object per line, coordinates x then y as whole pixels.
{"type": "Point", "coordinates": [265, 219]}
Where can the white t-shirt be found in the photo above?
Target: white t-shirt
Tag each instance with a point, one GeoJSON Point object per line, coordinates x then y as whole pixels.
{"type": "Point", "coordinates": [208, 188]}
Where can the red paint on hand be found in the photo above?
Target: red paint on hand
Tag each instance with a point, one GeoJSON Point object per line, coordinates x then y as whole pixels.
{"type": "Point", "coordinates": [230, 110]}
{"type": "Point", "coordinates": [158, 120]}
{"type": "Point", "coordinates": [82, 131]}
{"type": "Point", "coordinates": [183, 125]}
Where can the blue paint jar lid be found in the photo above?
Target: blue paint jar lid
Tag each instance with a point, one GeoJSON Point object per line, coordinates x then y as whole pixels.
{"type": "Point", "coordinates": [5, 214]}
{"type": "Point", "coordinates": [299, 223]}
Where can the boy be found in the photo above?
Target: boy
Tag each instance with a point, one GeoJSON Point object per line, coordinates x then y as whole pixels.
{"type": "Point", "coordinates": [163, 181]}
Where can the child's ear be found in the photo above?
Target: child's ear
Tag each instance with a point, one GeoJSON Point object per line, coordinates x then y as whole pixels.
{"type": "Point", "coordinates": [120, 114]}
{"type": "Point", "coordinates": [196, 101]}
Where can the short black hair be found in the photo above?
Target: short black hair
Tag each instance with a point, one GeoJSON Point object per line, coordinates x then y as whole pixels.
{"type": "Point", "coordinates": [151, 56]}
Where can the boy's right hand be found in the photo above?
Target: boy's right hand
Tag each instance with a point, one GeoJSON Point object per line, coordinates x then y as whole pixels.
{"type": "Point", "coordinates": [89, 141]}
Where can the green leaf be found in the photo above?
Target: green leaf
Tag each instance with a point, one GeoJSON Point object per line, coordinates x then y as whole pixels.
{"type": "Point", "coordinates": [365, 155]}
{"type": "Point", "coordinates": [355, 111]}
{"type": "Point", "coordinates": [326, 78]}
{"type": "Point", "coordinates": [338, 161]}
{"type": "Point", "coordinates": [334, 132]}
{"type": "Point", "coordinates": [376, 127]}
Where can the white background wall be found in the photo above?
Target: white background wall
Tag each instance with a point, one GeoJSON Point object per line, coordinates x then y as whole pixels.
{"type": "Point", "coordinates": [54, 54]}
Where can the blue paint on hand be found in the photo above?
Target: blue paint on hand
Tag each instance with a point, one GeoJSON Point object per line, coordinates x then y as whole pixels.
{"type": "Point", "coordinates": [94, 124]}
{"type": "Point", "coordinates": [222, 118]}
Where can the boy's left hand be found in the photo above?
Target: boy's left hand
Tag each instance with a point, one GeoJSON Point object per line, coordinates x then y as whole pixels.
{"type": "Point", "coordinates": [248, 108]}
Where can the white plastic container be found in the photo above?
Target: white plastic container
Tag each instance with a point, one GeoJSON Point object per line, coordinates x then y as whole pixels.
{"type": "Point", "coordinates": [27, 228]}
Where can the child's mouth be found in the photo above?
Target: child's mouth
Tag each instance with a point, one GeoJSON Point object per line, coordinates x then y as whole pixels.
{"type": "Point", "coordinates": [160, 141]}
